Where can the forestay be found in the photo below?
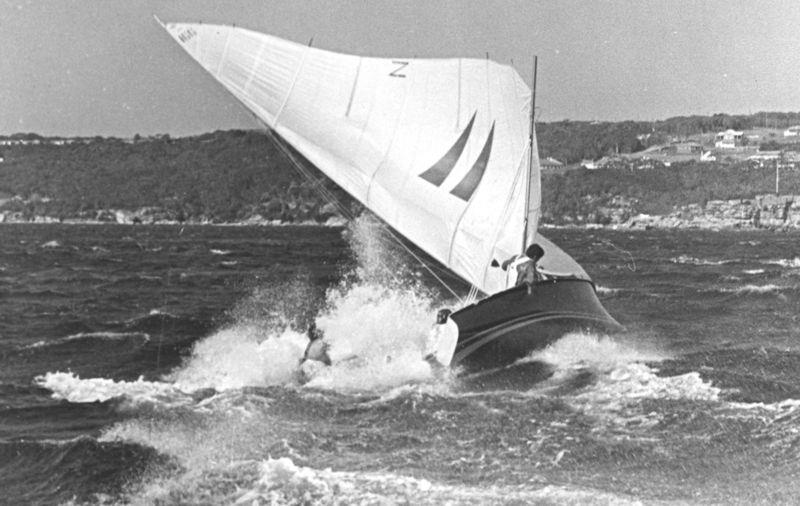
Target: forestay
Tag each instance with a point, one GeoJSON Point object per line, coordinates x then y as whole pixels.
{"type": "Point", "coordinates": [437, 148]}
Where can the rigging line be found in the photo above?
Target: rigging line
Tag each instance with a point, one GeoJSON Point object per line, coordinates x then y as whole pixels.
{"type": "Point", "coordinates": [328, 195]}
{"type": "Point", "coordinates": [631, 264]}
{"type": "Point", "coordinates": [316, 182]}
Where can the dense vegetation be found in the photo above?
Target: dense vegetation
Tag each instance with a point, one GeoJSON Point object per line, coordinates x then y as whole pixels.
{"type": "Point", "coordinates": [221, 176]}
{"type": "Point", "coordinates": [230, 176]}
{"type": "Point", "coordinates": [581, 193]}
{"type": "Point", "coordinates": [573, 141]}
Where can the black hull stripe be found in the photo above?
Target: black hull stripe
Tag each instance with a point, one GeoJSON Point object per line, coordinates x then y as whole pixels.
{"type": "Point", "coordinates": [467, 346]}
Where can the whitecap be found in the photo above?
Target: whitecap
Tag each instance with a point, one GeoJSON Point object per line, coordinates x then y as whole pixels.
{"type": "Point", "coordinates": [603, 290]}
{"type": "Point", "coordinates": [755, 289]}
{"type": "Point", "coordinates": [281, 481]}
{"type": "Point", "coordinates": [793, 263]}
{"type": "Point", "coordinates": [70, 387]}
{"type": "Point", "coordinates": [102, 336]}
{"type": "Point", "coordinates": [686, 259]}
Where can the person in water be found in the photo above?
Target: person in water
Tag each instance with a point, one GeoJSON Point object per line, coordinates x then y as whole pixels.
{"type": "Point", "coordinates": [317, 349]}
{"type": "Point", "coordinates": [526, 266]}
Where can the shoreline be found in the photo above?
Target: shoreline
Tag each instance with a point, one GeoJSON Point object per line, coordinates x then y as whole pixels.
{"type": "Point", "coordinates": [637, 224]}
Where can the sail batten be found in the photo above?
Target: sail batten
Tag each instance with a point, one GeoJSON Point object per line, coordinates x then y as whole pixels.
{"type": "Point", "coordinates": [383, 129]}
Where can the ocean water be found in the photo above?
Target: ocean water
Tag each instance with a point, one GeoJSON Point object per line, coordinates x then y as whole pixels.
{"type": "Point", "coordinates": [159, 365]}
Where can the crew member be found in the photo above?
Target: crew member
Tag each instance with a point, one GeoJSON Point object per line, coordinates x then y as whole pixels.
{"type": "Point", "coordinates": [317, 348]}
{"type": "Point", "coordinates": [525, 266]}
{"type": "Point", "coordinates": [441, 342]}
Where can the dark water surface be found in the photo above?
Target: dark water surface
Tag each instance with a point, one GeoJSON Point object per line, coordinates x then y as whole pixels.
{"type": "Point", "coordinates": [159, 365]}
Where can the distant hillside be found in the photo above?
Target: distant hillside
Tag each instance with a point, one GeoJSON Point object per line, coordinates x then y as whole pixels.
{"type": "Point", "coordinates": [236, 175]}
{"type": "Point", "coordinates": [220, 177]}
{"type": "Point", "coordinates": [573, 141]}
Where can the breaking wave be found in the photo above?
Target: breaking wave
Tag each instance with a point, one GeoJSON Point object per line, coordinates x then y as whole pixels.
{"type": "Point", "coordinates": [686, 259]}
{"type": "Point", "coordinates": [102, 336]}
{"type": "Point", "coordinates": [793, 263]}
{"type": "Point", "coordinates": [754, 289]}
{"type": "Point", "coordinates": [281, 481]}
{"type": "Point", "coordinates": [70, 387]}
{"type": "Point", "coordinates": [623, 373]}
{"type": "Point", "coordinates": [604, 290]}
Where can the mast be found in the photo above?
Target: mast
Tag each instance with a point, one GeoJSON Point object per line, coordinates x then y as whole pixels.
{"type": "Point", "coordinates": [530, 158]}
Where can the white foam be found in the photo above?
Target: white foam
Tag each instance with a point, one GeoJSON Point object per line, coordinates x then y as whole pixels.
{"type": "Point", "coordinates": [376, 338]}
{"type": "Point", "coordinates": [624, 376]}
{"type": "Point", "coordinates": [580, 349]}
{"type": "Point", "coordinates": [758, 289]}
{"type": "Point", "coordinates": [102, 336]}
{"type": "Point", "coordinates": [686, 259]}
{"type": "Point", "coordinates": [377, 326]}
{"type": "Point", "coordinates": [51, 244]}
{"type": "Point", "coordinates": [70, 387]}
{"type": "Point", "coordinates": [630, 383]}
{"type": "Point", "coordinates": [604, 290]}
{"type": "Point", "coordinates": [240, 356]}
{"type": "Point", "coordinates": [793, 263]}
{"type": "Point", "coordinates": [281, 481]}
{"type": "Point", "coordinates": [220, 251]}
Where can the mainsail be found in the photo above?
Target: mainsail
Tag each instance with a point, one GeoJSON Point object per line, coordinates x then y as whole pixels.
{"type": "Point", "coordinates": [437, 148]}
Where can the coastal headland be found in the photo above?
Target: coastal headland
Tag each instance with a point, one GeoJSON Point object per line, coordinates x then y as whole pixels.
{"type": "Point", "coordinates": [676, 173]}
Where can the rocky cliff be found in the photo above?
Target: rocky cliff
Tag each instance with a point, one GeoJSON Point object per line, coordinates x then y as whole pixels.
{"type": "Point", "coordinates": [763, 211]}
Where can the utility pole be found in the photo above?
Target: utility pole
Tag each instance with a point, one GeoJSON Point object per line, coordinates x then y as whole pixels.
{"type": "Point", "coordinates": [777, 175]}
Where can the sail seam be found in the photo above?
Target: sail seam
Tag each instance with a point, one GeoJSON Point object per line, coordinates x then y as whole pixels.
{"type": "Point", "coordinates": [399, 121]}
{"type": "Point", "coordinates": [291, 87]}
{"type": "Point", "coordinates": [353, 89]}
{"type": "Point", "coordinates": [224, 54]}
{"type": "Point", "coordinates": [256, 63]}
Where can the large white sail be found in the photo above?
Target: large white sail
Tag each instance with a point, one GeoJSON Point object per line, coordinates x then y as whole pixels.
{"type": "Point", "coordinates": [437, 148]}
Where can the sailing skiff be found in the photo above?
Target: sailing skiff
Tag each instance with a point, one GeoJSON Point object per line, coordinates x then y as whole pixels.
{"type": "Point", "coordinates": [442, 150]}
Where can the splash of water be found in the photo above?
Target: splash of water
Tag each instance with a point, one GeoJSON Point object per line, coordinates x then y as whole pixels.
{"type": "Point", "coordinates": [624, 375]}
{"type": "Point", "coordinates": [582, 349]}
{"type": "Point", "coordinates": [241, 356]}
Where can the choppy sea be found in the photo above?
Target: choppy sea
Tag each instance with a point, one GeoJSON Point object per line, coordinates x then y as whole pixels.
{"type": "Point", "coordinates": [159, 365]}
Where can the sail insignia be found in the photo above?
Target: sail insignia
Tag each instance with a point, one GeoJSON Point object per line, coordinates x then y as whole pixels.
{"type": "Point", "coordinates": [467, 186]}
{"type": "Point", "coordinates": [439, 171]}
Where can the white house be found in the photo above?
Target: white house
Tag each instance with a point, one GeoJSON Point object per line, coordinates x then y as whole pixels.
{"type": "Point", "coordinates": [729, 139]}
{"type": "Point", "coordinates": [793, 131]}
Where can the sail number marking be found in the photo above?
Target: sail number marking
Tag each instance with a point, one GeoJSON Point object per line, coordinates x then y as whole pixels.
{"type": "Point", "coordinates": [398, 72]}
{"type": "Point", "coordinates": [187, 35]}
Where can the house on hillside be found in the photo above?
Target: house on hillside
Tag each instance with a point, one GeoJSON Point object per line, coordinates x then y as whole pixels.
{"type": "Point", "coordinates": [792, 131]}
{"type": "Point", "coordinates": [550, 163]}
{"type": "Point", "coordinates": [729, 139]}
{"type": "Point", "coordinates": [685, 148]}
